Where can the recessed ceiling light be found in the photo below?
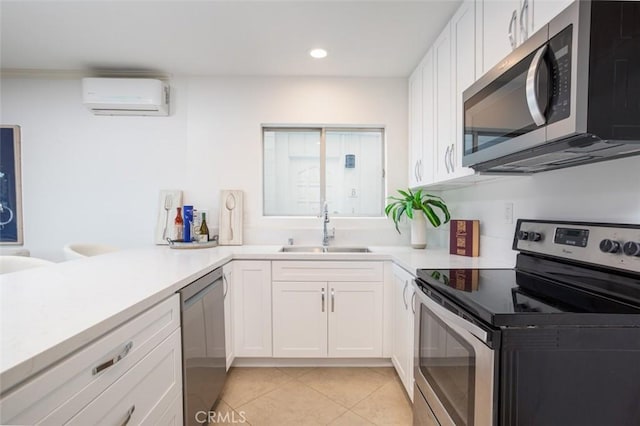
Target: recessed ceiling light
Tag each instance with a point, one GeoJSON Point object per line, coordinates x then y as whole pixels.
{"type": "Point", "coordinates": [318, 53]}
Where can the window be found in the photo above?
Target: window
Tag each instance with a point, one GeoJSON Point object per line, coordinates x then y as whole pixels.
{"type": "Point", "coordinates": [305, 166]}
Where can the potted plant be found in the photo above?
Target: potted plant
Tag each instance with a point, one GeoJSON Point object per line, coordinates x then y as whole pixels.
{"type": "Point", "coordinates": [416, 206]}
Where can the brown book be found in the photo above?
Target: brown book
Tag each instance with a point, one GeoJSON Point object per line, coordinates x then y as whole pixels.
{"type": "Point", "coordinates": [464, 237]}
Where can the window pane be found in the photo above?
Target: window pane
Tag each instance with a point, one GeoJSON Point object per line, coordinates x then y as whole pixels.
{"type": "Point", "coordinates": [354, 172]}
{"type": "Point", "coordinates": [291, 172]}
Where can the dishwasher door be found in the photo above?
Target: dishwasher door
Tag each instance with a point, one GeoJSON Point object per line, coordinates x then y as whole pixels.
{"type": "Point", "coordinates": [203, 346]}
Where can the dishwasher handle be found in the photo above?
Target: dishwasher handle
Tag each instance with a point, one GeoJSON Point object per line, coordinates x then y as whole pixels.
{"type": "Point", "coordinates": [197, 289]}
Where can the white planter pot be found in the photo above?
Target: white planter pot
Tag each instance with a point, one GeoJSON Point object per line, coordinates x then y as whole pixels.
{"type": "Point", "coordinates": [418, 230]}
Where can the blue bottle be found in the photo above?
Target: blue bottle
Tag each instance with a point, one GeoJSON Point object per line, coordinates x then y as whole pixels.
{"type": "Point", "coordinates": [188, 222]}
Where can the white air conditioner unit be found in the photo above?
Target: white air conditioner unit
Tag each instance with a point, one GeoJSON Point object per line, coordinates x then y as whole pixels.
{"type": "Point", "coordinates": [125, 96]}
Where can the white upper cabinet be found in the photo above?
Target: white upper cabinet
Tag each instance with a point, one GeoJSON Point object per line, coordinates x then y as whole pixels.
{"type": "Point", "coordinates": [506, 24]}
{"type": "Point", "coordinates": [415, 127]}
{"type": "Point", "coordinates": [443, 99]}
{"type": "Point", "coordinates": [463, 40]}
{"type": "Point", "coordinates": [500, 30]}
{"type": "Point", "coordinates": [428, 120]}
{"type": "Point", "coordinates": [545, 10]}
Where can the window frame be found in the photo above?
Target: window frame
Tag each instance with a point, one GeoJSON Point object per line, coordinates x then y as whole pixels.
{"type": "Point", "coordinates": [323, 129]}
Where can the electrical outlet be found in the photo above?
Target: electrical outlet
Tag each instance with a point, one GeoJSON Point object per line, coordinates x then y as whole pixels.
{"type": "Point", "coordinates": [508, 213]}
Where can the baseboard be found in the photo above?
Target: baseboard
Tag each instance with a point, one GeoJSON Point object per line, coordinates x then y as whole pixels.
{"type": "Point", "coordinates": [312, 362]}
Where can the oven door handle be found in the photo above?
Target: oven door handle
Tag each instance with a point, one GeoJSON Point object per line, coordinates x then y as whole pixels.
{"type": "Point", "coordinates": [453, 319]}
{"type": "Point", "coordinates": [531, 87]}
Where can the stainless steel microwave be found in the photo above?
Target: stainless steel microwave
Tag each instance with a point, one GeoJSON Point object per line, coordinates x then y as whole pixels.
{"type": "Point", "coordinates": [569, 95]}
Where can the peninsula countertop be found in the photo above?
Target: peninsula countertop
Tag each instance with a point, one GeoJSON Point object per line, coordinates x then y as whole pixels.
{"type": "Point", "coordinates": [49, 312]}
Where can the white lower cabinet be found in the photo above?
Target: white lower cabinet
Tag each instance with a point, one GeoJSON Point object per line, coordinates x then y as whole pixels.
{"type": "Point", "coordinates": [300, 319]}
{"type": "Point", "coordinates": [355, 319]}
{"type": "Point", "coordinates": [315, 317]}
{"type": "Point", "coordinates": [138, 363]}
{"type": "Point", "coordinates": [227, 282]}
{"type": "Point", "coordinates": [403, 327]}
{"type": "Point", "coordinates": [141, 395]}
{"type": "Point", "coordinates": [252, 308]}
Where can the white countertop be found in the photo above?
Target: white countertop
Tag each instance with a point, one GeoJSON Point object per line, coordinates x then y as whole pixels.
{"type": "Point", "coordinates": [46, 313]}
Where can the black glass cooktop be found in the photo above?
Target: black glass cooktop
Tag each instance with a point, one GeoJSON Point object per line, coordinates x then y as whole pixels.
{"type": "Point", "coordinates": [512, 297]}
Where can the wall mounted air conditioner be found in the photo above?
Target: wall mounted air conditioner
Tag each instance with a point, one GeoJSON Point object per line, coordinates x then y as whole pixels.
{"type": "Point", "coordinates": [125, 96]}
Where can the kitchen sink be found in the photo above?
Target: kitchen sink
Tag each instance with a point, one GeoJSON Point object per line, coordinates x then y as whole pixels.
{"type": "Point", "coordinates": [320, 249]}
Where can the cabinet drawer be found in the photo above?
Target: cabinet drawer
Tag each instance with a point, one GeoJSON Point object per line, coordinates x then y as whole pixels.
{"type": "Point", "coordinates": [142, 394]}
{"type": "Point", "coordinates": [326, 271]}
{"type": "Point", "coordinates": [63, 390]}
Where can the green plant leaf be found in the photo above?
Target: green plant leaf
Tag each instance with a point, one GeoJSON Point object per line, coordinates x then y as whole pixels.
{"type": "Point", "coordinates": [431, 215]}
{"type": "Point", "coordinates": [442, 206]}
{"type": "Point", "coordinates": [408, 201]}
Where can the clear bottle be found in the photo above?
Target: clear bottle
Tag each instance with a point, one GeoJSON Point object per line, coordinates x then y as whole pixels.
{"type": "Point", "coordinates": [178, 225]}
{"type": "Point", "coordinates": [204, 229]}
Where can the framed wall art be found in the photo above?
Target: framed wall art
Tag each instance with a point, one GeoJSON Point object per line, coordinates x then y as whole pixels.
{"type": "Point", "coordinates": [10, 186]}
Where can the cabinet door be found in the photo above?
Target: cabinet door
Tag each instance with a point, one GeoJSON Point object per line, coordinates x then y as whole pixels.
{"type": "Point", "coordinates": [299, 319]}
{"type": "Point", "coordinates": [500, 19]}
{"type": "Point", "coordinates": [463, 39]}
{"type": "Point", "coordinates": [443, 99]}
{"type": "Point", "coordinates": [227, 281]}
{"type": "Point", "coordinates": [402, 354]}
{"type": "Point", "coordinates": [415, 127]}
{"type": "Point", "coordinates": [428, 120]}
{"type": "Point", "coordinates": [545, 10]}
{"type": "Point", "coordinates": [355, 319]}
{"type": "Point", "coordinates": [252, 308]}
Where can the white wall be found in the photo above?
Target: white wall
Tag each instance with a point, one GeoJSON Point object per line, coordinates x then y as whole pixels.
{"type": "Point", "coordinates": [96, 179]}
{"type": "Point", "coordinates": [600, 192]}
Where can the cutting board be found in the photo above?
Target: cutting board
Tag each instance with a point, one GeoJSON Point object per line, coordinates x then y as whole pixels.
{"type": "Point", "coordinates": [231, 214]}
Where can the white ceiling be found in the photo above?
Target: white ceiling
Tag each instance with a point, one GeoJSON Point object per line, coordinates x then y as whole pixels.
{"type": "Point", "coordinates": [179, 37]}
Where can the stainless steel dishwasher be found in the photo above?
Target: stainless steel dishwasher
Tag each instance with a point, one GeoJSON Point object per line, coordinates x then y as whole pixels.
{"type": "Point", "coordinates": [203, 346]}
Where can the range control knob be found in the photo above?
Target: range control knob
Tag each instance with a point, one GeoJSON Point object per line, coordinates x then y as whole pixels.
{"type": "Point", "coordinates": [631, 248]}
{"type": "Point", "coordinates": [535, 236]}
{"type": "Point", "coordinates": [523, 235]}
{"type": "Point", "coordinates": [609, 246]}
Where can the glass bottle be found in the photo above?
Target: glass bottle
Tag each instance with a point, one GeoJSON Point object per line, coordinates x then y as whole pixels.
{"type": "Point", "coordinates": [204, 229]}
{"type": "Point", "coordinates": [178, 225]}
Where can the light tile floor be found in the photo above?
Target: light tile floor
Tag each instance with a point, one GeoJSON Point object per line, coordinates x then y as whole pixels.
{"type": "Point", "coordinates": [314, 396]}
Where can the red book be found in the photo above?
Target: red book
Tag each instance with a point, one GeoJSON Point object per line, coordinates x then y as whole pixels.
{"type": "Point", "coordinates": [464, 237]}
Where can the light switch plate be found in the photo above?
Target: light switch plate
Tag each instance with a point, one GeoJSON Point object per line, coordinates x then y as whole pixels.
{"type": "Point", "coordinates": [508, 213]}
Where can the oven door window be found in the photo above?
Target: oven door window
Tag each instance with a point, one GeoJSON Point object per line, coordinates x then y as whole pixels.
{"type": "Point", "coordinates": [448, 364]}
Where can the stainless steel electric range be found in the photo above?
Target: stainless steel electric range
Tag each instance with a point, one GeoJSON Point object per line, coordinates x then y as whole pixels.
{"type": "Point", "coordinates": [555, 341]}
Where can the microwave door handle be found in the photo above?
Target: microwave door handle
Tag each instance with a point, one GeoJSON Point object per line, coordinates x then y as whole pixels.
{"type": "Point", "coordinates": [531, 87]}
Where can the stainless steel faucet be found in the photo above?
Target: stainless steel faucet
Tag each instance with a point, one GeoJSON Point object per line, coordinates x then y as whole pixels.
{"type": "Point", "coordinates": [325, 219]}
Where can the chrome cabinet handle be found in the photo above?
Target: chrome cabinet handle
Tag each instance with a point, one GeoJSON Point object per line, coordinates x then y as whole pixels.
{"type": "Point", "coordinates": [524, 31]}
{"type": "Point", "coordinates": [129, 414]}
{"type": "Point", "coordinates": [451, 160]}
{"type": "Point", "coordinates": [446, 158]}
{"type": "Point", "coordinates": [531, 85]}
{"type": "Point", "coordinates": [404, 291]}
{"type": "Point", "coordinates": [113, 361]}
{"type": "Point", "coordinates": [333, 300]}
{"type": "Point", "coordinates": [512, 39]}
{"type": "Point", "coordinates": [420, 170]}
{"type": "Point", "coordinates": [413, 302]}
{"type": "Point", "coordinates": [225, 285]}
{"type": "Point", "coordinates": [322, 302]}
